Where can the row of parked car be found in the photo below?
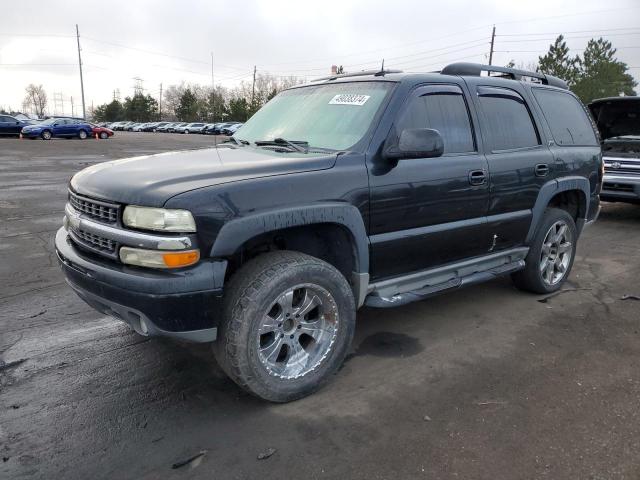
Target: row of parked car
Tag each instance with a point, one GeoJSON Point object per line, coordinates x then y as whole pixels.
{"type": "Point", "coordinates": [62, 127]}
{"type": "Point", "coordinates": [225, 128]}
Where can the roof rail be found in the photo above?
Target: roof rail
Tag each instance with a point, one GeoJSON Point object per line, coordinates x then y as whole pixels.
{"type": "Point", "coordinates": [375, 73]}
{"type": "Point", "coordinates": [475, 69]}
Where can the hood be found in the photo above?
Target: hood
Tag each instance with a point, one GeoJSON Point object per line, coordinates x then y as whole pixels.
{"type": "Point", "coordinates": [152, 180]}
{"type": "Point", "coordinates": [617, 116]}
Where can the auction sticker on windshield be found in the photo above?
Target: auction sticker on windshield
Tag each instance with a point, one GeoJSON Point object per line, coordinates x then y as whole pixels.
{"type": "Point", "coordinates": [349, 99]}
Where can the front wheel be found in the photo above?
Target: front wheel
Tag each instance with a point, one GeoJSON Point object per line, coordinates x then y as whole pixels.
{"type": "Point", "coordinates": [551, 255]}
{"type": "Point", "coordinates": [104, 135]}
{"type": "Point", "coordinates": [82, 134]}
{"type": "Point", "coordinates": [288, 322]}
{"type": "Point", "coordinates": [46, 135]}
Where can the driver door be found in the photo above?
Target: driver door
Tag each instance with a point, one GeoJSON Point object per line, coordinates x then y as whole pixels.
{"type": "Point", "coordinates": [427, 212]}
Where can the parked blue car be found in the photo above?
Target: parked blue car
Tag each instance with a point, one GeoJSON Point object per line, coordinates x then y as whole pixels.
{"type": "Point", "coordinates": [58, 127]}
{"type": "Point", "coordinates": [12, 126]}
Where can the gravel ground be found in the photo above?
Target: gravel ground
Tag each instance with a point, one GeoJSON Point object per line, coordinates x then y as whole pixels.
{"type": "Point", "coordinates": [483, 383]}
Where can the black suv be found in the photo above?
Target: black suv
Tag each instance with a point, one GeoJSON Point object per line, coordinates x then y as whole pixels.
{"type": "Point", "coordinates": [375, 189]}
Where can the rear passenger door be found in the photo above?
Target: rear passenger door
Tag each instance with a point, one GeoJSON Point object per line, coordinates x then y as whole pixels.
{"type": "Point", "coordinates": [573, 141]}
{"type": "Point", "coordinates": [519, 162]}
{"type": "Point", "coordinates": [426, 212]}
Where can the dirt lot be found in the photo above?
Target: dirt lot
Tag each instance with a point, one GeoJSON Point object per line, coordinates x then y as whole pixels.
{"type": "Point", "coordinates": [487, 382]}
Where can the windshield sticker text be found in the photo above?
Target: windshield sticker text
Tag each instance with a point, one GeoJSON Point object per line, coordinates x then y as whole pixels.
{"type": "Point", "coordinates": [349, 99]}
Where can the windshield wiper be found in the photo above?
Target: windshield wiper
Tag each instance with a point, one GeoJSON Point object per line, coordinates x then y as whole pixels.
{"type": "Point", "coordinates": [238, 141]}
{"type": "Point", "coordinates": [297, 145]}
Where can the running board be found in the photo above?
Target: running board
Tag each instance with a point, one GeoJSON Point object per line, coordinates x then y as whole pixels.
{"type": "Point", "coordinates": [418, 286]}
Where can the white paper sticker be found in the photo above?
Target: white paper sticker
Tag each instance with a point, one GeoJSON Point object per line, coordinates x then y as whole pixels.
{"type": "Point", "coordinates": [349, 99]}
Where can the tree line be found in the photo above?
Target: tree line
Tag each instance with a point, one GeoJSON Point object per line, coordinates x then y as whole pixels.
{"type": "Point", "coordinates": [193, 102]}
{"type": "Point", "coordinates": [597, 73]}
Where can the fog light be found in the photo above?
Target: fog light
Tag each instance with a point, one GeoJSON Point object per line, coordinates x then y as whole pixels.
{"type": "Point", "coordinates": [158, 258]}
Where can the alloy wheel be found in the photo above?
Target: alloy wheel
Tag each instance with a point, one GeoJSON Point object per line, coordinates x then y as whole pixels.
{"type": "Point", "coordinates": [556, 254]}
{"type": "Point", "coordinates": [297, 331]}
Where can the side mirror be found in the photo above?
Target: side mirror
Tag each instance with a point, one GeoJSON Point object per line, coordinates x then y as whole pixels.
{"type": "Point", "coordinates": [414, 143]}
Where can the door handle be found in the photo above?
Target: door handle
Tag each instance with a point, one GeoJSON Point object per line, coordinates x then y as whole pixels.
{"type": "Point", "coordinates": [477, 177]}
{"type": "Point", "coordinates": [542, 170]}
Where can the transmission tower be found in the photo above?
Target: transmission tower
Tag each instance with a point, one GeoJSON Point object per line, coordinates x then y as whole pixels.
{"type": "Point", "coordinates": [58, 103]}
{"type": "Point", "coordinates": [137, 87]}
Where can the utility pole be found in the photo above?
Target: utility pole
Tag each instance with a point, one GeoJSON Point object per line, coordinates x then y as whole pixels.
{"type": "Point", "coordinates": [84, 115]}
{"type": "Point", "coordinates": [493, 38]}
{"type": "Point", "coordinates": [253, 86]}
{"type": "Point", "coordinates": [73, 113]}
{"type": "Point", "coordinates": [160, 103]}
{"type": "Point", "coordinates": [213, 93]}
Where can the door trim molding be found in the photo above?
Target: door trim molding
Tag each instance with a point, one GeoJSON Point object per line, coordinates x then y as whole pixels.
{"type": "Point", "coordinates": [443, 227]}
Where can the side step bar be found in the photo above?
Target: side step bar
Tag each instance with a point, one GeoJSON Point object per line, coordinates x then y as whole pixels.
{"type": "Point", "coordinates": [418, 286]}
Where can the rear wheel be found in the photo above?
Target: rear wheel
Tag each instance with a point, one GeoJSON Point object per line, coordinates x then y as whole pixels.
{"type": "Point", "coordinates": [551, 255]}
{"type": "Point", "coordinates": [288, 321]}
{"type": "Point", "coordinates": [82, 134]}
{"type": "Point", "coordinates": [46, 135]}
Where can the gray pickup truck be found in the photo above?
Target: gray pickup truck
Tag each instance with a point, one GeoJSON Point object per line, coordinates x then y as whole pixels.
{"type": "Point", "coordinates": [618, 121]}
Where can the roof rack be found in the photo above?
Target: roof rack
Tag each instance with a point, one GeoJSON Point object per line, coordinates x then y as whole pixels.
{"type": "Point", "coordinates": [376, 73]}
{"type": "Point", "coordinates": [475, 69]}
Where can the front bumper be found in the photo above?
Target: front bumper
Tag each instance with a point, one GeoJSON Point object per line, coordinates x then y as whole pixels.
{"type": "Point", "coordinates": [32, 133]}
{"type": "Point", "coordinates": [621, 188]}
{"type": "Point", "coordinates": [183, 304]}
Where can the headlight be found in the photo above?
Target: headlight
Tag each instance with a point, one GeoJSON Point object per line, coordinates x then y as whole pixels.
{"type": "Point", "coordinates": [160, 219]}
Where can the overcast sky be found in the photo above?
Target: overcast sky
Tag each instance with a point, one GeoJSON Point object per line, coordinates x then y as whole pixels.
{"type": "Point", "coordinates": [170, 42]}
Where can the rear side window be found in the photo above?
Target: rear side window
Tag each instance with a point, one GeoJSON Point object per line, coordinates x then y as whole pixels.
{"type": "Point", "coordinates": [444, 109]}
{"type": "Point", "coordinates": [567, 119]}
{"type": "Point", "coordinates": [507, 118]}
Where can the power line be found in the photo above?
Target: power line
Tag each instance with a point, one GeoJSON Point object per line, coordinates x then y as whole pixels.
{"type": "Point", "coordinates": [563, 33]}
{"type": "Point", "coordinates": [572, 49]}
{"type": "Point", "coordinates": [566, 38]}
{"type": "Point", "coordinates": [151, 52]}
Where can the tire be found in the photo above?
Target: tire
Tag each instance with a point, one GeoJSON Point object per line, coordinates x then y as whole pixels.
{"type": "Point", "coordinates": [104, 135]}
{"type": "Point", "coordinates": [186, 132]}
{"type": "Point", "coordinates": [46, 135]}
{"type": "Point", "coordinates": [551, 254]}
{"type": "Point", "coordinates": [262, 329]}
{"type": "Point", "coordinates": [82, 134]}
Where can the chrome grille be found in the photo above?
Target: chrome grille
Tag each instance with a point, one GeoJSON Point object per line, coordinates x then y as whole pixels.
{"type": "Point", "coordinates": [95, 241]}
{"type": "Point", "coordinates": [616, 166]}
{"type": "Point", "coordinates": [102, 211]}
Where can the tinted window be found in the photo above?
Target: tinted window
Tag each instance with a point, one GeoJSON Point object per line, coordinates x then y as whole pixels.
{"type": "Point", "coordinates": [566, 117]}
{"type": "Point", "coordinates": [445, 112]}
{"type": "Point", "coordinates": [507, 118]}
{"type": "Point", "coordinates": [4, 119]}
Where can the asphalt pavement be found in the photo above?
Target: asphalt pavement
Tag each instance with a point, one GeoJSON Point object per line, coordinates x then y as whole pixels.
{"type": "Point", "coordinates": [483, 383]}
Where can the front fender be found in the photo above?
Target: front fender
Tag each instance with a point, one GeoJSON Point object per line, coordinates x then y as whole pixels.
{"type": "Point", "coordinates": [236, 232]}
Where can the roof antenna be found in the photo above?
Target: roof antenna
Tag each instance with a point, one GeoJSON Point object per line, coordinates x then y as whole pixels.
{"type": "Point", "coordinates": [382, 69]}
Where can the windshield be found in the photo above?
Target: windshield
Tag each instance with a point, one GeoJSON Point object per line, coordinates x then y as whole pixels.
{"type": "Point", "coordinates": [49, 121]}
{"type": "Point", "coordinates": [334, 116]}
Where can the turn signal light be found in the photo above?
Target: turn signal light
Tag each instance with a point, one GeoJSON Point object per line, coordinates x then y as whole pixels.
{"type": "Point", "coordinates": [181, 259]}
